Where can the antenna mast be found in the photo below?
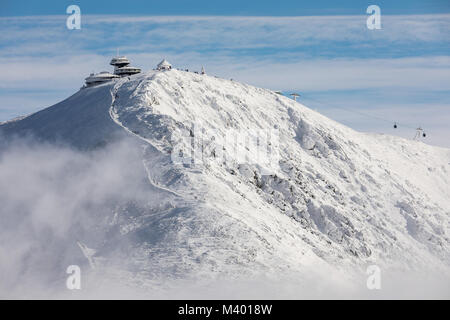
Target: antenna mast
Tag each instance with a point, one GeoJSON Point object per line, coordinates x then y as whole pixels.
{"type": "Point", "coordinates": [295, 96]}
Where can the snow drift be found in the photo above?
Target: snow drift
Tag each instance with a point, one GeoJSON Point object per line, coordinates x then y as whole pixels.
{"type": "Point", "coordinates": [145, 183]}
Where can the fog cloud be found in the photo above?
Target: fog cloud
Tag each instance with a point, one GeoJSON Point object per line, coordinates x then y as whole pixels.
{"type": "Point", "coordinates": [51, 197]}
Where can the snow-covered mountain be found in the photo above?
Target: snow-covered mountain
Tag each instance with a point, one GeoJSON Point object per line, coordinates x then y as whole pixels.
{"type": "Point", "coordinates": [321, 196]}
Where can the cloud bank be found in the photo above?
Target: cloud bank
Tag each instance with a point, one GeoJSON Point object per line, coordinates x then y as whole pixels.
{"type": "Point", "coordinates": [51, 198]}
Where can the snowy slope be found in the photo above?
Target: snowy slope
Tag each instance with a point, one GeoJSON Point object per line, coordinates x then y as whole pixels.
{"type": "Point", "coordinates": [334, 199]}
{"type": "Point", "coordinates": [83, 126]}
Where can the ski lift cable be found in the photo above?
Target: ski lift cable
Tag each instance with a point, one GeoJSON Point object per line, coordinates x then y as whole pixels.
{"type": "Point", "coordinates": [396, 123]}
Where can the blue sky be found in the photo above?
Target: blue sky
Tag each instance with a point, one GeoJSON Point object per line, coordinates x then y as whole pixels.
{"type": "Point", "coordinates": [324, 51]}
{"type": "Point", "coordinates": [229, 7]}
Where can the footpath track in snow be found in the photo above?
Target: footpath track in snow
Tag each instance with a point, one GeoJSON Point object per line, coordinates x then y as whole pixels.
{"type": "Point", "coordinates": [115, 118]}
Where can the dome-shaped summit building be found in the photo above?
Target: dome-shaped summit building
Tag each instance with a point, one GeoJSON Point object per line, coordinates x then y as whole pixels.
{"type": "Point", "coordinates": [164, 66]}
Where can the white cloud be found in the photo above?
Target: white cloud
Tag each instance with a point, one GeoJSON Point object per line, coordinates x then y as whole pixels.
{"type": "Point", "coordinates": [179, 32]}
{"type": "Point", "coordinates": [53, 197]}
{"type": "Point", "coordinates": [427, 73]}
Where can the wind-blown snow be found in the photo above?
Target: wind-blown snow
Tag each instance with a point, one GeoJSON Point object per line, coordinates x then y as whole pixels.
{"type": "Point", "coordinates": [335, 201]}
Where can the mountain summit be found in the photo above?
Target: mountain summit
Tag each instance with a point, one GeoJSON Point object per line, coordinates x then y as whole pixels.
{"type": "Point", "coordinates": [244, 181]}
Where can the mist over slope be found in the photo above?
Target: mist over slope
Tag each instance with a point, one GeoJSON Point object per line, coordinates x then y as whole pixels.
{"type": "Point", "coordinates": [176, 176]}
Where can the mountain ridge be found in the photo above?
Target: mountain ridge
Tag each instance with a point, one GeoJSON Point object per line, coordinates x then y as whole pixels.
{"type": "Point", "coordinates": [334, 197]}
